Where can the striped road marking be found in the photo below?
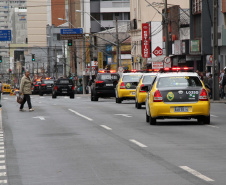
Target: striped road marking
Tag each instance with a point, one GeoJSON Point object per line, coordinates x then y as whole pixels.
{"type": "Point", "coordinates": [80, 115]}
{"type": "Point", "coordinates": [213, 116]}
{"type": "Point", "coordinates": [106, 127]}
{"type": "Point", "coordinates": [138, 143]}
{"type": "Point", "coordinates": [197, 174]}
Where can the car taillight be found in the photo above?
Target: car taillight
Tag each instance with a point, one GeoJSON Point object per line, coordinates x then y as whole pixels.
{"type": "Point", "coordinates": [36, 85]}
{"type": "Point", "coordinates": [157, 96]}
{"type": "Point", "coordinates": [99, 82]}
{"type": "Point", "coordinates": [142, 85]}
{"type": "Point", "coordinates": [203, 95]}
{"type": "Point", "coordinates": [55, 88]}
{"type": "Point", "coordinates": [122, 86]}
{"type": "Point", "coordinates": [73, 88]}
{"type": "Point", "coordinates": [43, 85]}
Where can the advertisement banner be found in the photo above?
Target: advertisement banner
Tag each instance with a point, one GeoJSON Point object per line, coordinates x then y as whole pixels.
{"type": "Point", "coordinates": [100, 60]}
{"type": "Point", "coordinates": [145, 40]}
{"type": "Point", "coordinates": [157, 65]}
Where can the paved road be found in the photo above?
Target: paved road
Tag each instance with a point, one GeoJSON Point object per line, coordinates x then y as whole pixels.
{"type": "Point", "coordinates": [79, 142]}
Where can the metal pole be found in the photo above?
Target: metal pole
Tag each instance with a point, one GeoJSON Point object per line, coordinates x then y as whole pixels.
{"type": "Point", "coordinates": [84, 52]}
{"type": "Point", "coordinates": [91, 57]}
{"type": "Point", "coordinates": [48, 67]}
{"type": "Point", "coordinates": [65, 75]}
{"type": "Point", "coordinates": [215, 52]}
{"type": "Point", "coordinates": [117, 42]}
{"type": "Point", "coordinates": [166, 30]}
{"type": "Point", "coordinates": [37, 68]}
{"type": "Point", "coordinates": [55, 62]}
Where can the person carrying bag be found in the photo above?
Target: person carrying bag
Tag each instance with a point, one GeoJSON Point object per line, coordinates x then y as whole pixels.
{"type": "Point", "coordinates": [25, 89]}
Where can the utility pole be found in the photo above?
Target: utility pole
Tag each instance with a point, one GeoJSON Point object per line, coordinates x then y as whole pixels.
{"type": "Point", "coordinates": [65, 75]}
{"type": "Point", "coordinates": [166, 30]}
{"type": "Point", "coordinates": [37, 68]}
{"type": "Point", "coordinates": [55, 62]}
{"type": "Point", "coordinates": [215, 52]}
{"type": "Point", "coordinates": [117, 42]}
{"type": "Point", "coordinates": [91, 56]}
{"type": "Point", "coordinates": [75, 55]}
{"type": "Point", "coordinates": [48, 65]}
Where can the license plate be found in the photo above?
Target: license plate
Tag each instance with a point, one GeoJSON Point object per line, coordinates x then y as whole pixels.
{"type": "Point", "coordinates": [49, 86]}
{"type": "Point", "coordinates": [181, 109]}
{"type": "Point", "coordinates": [109, 84]}
{"type": "Point", "coordinates": [64, 91]}
{"type": "Point", "coordinates": [133, 93]}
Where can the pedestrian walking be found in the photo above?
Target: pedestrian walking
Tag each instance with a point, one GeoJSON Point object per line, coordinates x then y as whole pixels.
{"type": "Point", "coordinates": [224, 82]}
{"type": "Point", "coordinates": [210, 83]}
{"type": "Point", "coordinates": [25, 88]}
{"type": "Point", "coordinates": [1, 94]}
{"type": "Point", "coordinates": [205, 78]}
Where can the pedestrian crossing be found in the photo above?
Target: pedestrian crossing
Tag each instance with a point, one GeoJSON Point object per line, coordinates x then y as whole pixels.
{"type": "Point", "coordinates": [3, 172]}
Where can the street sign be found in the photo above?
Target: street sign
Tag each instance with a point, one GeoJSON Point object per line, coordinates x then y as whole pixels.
{"type": "Point", "coordinates": [120, 69]}
{"type": "Point", "coordinates": [158, 51]}
{"type": "Point", "coordinates": [5, 35]}
{"type": "Point", "coordinates": [71, 36]}
{"type": "Point", "coordinates": [71, 31]}
{"type": "Point", "coordinates": [100, 60]}
{"type": "Point", "coordinates": [167, 62]}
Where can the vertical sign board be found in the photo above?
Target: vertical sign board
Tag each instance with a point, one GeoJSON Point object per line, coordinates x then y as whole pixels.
{"type": "Point", "coordinates": [5, 35]}
{"type": "Point", "coordinates": [145, 40]}
{"type": "Point", "coordinates": [100, 60]}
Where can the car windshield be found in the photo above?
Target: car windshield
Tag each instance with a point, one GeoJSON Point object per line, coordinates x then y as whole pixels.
{"type": "Point", "coordinates": [148, 79]}
{"type": "Point", "coordinates": [131, 78]}
{"type": "Point", "coordinates": [109, 77]}
{"type": "Point", "coordinates": [48, 81]}
{"type": "Point", "coordinates": [179, 81]}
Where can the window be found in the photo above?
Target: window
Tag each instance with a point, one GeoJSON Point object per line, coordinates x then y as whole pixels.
{"type": "Point", "coordinates": [107, 16]}
{"type": "Point", "coordinates": [95, 16]}
{"type": "Point", "coordinates": [197, 26]}
{"type": "Point", "coordinates": [148, 79]}
{"type": "Point", "coordinates": [131, 78]}
{"type": "Point", "coordinates": [196, 6]}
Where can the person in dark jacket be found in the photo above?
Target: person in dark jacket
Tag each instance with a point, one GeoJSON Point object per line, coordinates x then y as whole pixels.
{"type": "Point", "coordinates": [210, 83]}
{"type": "Point", "coordinates": [224, 81]}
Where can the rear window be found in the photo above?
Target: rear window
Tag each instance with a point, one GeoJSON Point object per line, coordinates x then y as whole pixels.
{"type": "Point", "coordinates": [148, 79]}
{"type": "Point", "coordinates": [108, 77]}
{"type": "Point", "coordinates": [179, 81]}
{"type": "Point", "coordinates": [48, 81]}
{"type": "Point", "coordinates": [131, 78]}
{"type": "Point", "coordinates": [64, 81]}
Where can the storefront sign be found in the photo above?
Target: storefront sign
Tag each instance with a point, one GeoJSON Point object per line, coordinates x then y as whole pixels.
{"type": "Point", "coordinates": [145, 40]}
{"type": "Point", "coordinates": [209, 60]}
{"type": "Point", "coordinates": [195, 46]}
{"type": "Point", "coordinates": [157, 65]}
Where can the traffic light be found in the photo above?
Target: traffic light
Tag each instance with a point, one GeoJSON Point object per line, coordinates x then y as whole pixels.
{"type": "Point", "coordinates": [0, 59]}
{"type": "Point", "coordinates": [69, 42]}
{"type": "Point", "coordinates": [33, 57]}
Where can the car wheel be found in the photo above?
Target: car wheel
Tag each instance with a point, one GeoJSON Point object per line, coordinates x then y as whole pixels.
{"type": "Point", "coordinates": [204, 120]}
{"type": "Point", "coordinates": [40, 94]}
{"type": "Point", "coordinates": [138, 106]}
{"type": "Point", "coordinates": [118, 100]}
{"type": "Point", "coordinates": [95, 98]}
{"type": "Point", "coordinates": [147, 117]}
{"type": "Point", "coordinates": [152, 121]}
{"type": "Point", "coordinates": [72, 96]}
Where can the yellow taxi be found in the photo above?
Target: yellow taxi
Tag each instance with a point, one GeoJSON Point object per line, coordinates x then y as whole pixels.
{"type": "Point", "coordinates": [6, 88]}
{"type": "Point", "coordinates": [126, 87]}
{"type": "Point", "coordinates": [177, 95]}
{"type": "Point", "coordinates": [141, 90]}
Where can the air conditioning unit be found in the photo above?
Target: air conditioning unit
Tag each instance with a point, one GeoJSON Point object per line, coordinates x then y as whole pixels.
{"type": "Point", "coordinates": [133, 24]}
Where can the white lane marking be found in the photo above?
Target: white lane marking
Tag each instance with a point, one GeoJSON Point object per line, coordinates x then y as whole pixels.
{"type": "Point", "coordinates": [125, 115]}
{"type": "Point", "coordinates": [2, 147]}
{"type": "Point", "coordinates": [2, 167]}
{"type": "Point", "coordinates": [66, 97]}
{"type": "Point", "coordinates": [78, 97]}
{"type": "Point", "coordinates": [1, 143]}
{"type": "Point", "coordinates": [3, 181]}
{"type": "Point", "coordinates": [2, 151]}
{"type": "Point", "coordinates": [1, 140]}
{"type": "Point", "coordinates": [213, 116]}
{"type": "Point", "coordinates": [80, 115]}
{"type": "Point", "coordinates": [212, 126]}
{"type": "Point", "coordinates": [2, 156]}
{"type": "Point", "coordinates": [1, 134]}
{"type": "Point", "coordinates": [5, 98]}
{"type": "Point", "coordinates": [2, 174]}
{"type": "Point", "coordinates": [197, 174]}
{"type": "Point", "coordinates": [40, 117]}
{"type": "Point", "coordinates": [3, 161]}
{"type": "Point", "coordinates": [42, 97]}
{"type": "Point", "coordinates": [138, 143]}
{"type": "Point", "coordinates": [106, 127]}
